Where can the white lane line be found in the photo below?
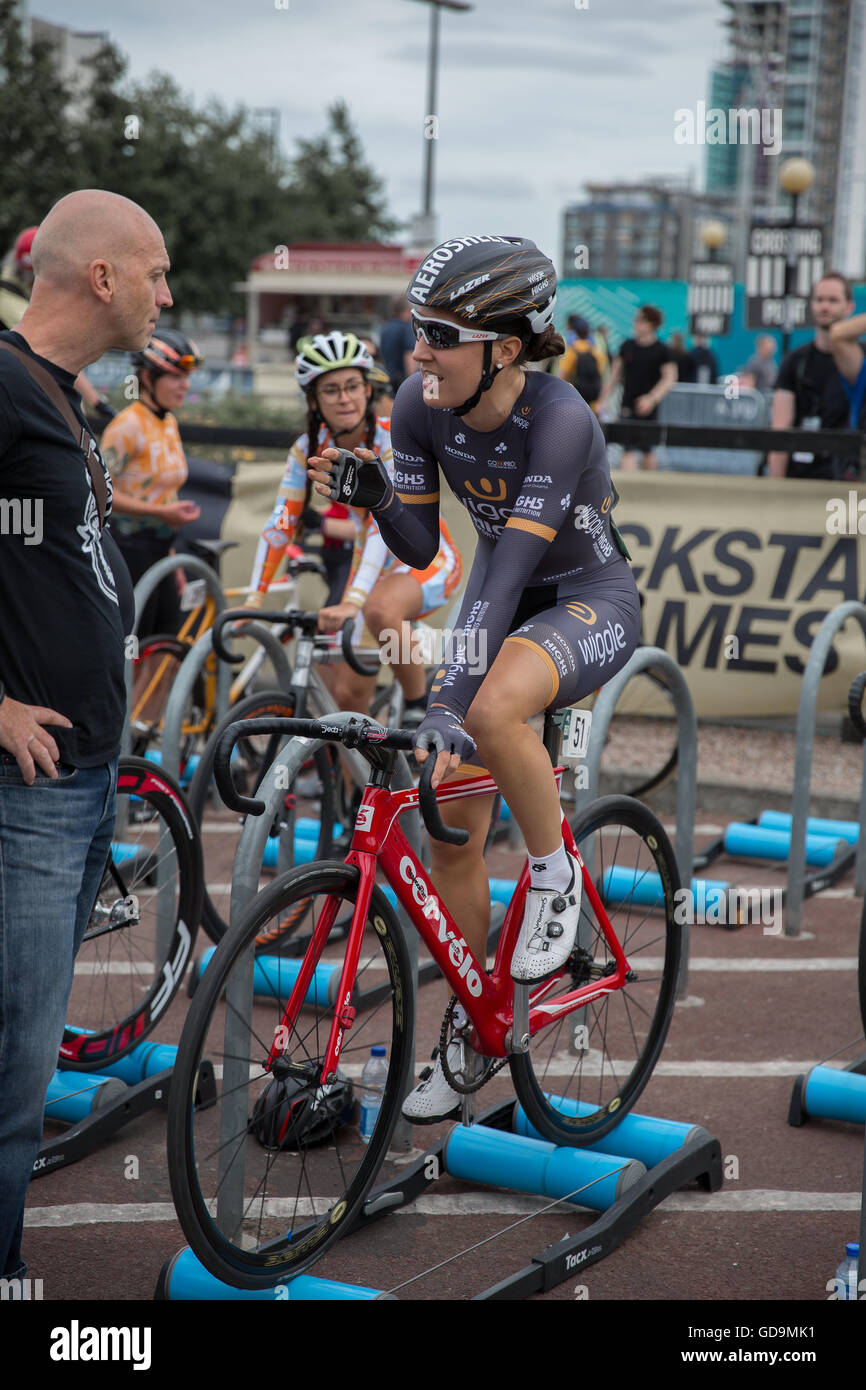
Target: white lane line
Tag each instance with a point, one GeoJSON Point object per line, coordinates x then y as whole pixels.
{"type": "Point", "coordinates": [565, 1066]}
{"type": "Point", "coordinates": [724, 1203]}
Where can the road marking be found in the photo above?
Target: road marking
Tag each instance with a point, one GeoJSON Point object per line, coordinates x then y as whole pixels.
{"type": "Point", "coordinates": [725, 1203]}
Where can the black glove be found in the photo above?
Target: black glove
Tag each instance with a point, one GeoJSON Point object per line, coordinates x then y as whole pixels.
{"type": "Point", "coordinates": [311, 520]}
{"type": "Point", "coordinates": [441, 731]}
{"type": "Point", "coordinates": [359, 484]}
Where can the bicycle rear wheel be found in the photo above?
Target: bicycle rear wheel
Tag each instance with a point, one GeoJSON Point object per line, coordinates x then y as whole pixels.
{"type": "Point", "coordinates": [584, 1071]}
{"type": "Point", "coordinates": [141, 931]}
{"type": "Point", "coordinates": [275, 1171]}
{"type": "Point", "coordinates": [306, 822]}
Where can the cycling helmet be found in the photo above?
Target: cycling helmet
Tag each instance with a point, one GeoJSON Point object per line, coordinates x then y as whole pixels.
{"type": "Point", "coordinates": [23, 246]}
{"type": "Point", "coordinates": [328, 351]}
{"type": "Point", "coordinates": [501, 284]}
{"type": "Point", "coordinates": [288, 1116]}
{"type": "Point", "coordinates": [171, 353]}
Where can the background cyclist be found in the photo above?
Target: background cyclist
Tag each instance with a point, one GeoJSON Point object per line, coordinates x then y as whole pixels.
{"type": "Point", "coordinates": [549, 589]}
{"type": "Point", "coordinates": [334, 371]}
{"type": "Point", "coordinates": [143, 452]}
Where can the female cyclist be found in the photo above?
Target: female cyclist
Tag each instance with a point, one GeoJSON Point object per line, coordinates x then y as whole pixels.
{"type": "Point", "coordinates": [334, 371]}
{"type": "Point", "coordinates": [550, 594]}
{"type": "Point", "coordinates": [142, 450]}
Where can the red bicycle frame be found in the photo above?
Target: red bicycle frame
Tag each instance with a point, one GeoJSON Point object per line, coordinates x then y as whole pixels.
{"type": "Point", "coordinates": [378, 842]}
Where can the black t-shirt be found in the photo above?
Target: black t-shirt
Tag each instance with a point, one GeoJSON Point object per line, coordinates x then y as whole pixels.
{"type": "Point", "coordinates": [816, 383]}
{"type": "Point", "coordinates": [61, 624]}
{"type": "Point", "coordinates": [642, 368]}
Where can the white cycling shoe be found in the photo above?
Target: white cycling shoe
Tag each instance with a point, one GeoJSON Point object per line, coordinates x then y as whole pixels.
{"type": "Point", "coordinates": [433, 1099]}
{"type": "Point", "coordinates": [547, 932]}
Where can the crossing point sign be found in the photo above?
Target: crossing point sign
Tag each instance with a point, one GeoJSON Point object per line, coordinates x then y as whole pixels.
{"type": "Point", "coordinates": [766, 267]}
{"type": "Point", "coordinates": [711, 298]}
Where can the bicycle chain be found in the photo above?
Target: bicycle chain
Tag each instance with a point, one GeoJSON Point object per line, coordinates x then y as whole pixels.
{"type": "Point", "coordinates": [461, 1087]}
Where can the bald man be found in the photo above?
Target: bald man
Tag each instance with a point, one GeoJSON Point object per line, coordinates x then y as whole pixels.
{"type": "Point", "coordinates": [100, 265]}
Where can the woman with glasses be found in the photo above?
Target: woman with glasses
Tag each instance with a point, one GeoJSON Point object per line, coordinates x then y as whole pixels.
{"type": "Point", "coordinates": [550, 611]}
{"type": "Point", "coordinates": [335, 371]}
{"type": "Point", "coordinates": [142, 450]}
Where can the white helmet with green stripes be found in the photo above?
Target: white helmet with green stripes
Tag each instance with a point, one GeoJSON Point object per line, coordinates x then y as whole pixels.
{"type": "Point", "coordinates": [328, 351]}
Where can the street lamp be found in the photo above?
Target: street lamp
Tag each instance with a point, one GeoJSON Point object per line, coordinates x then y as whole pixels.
{"type": "Point", "coordinates": [424, 228]}
{"type": "Point", "coordinates": [796, 177]}
{"type": "Point", "coordinates": [714, 234]}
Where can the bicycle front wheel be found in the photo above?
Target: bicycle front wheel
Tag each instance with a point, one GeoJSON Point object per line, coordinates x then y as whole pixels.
{"type": "Point", "coordinates": [265, 1179]}
{"type": "Point", "coordinates": [585, 1070]}
{"type": "Point", "coordinates": [141, 930]}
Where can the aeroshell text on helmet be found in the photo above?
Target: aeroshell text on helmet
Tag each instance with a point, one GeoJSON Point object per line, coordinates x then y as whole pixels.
{"type": "Point", "coordinates": [429, 270]}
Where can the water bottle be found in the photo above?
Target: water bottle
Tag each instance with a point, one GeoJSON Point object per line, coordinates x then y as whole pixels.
{"type": "Point", "coordinates": [846, 1274]}
{"type": "Point", "coordinates": [373, 1079]}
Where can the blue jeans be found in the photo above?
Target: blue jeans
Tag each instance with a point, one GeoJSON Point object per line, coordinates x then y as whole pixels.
{"type": "Point", "coordinates": [54, 839]}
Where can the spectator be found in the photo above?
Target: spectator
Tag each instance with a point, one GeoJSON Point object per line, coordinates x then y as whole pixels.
{"type": "Point", "coordinates": [849, 355]}
{"type": "Point", "coordinates": [683, 358]}
{"type": "Point", "coordinates": [16, 279]}
{"type": "Point", "coordinates": [584, 364]}
{"type": "Point", "coordinates": [647, 370]}
{"type": "Point", "coordinates": [378, 377]}
{"type": "Point", "coordinates": [810, 391]}
{"type": "Point", "coordinates": [601, 338]}
{"type": "Point", "coordinates": [145, 457]}
{"type": "Point", "coordinates": [398, 344]}
{"type": "Point", "coordinates": [301, 327]}
{"type": "Point", "coordinates": [16, 282]}
{"type": "Point", "coordinates": [571, 328]}
{"type": "Point", "coordinates": [761, 369]}
{"type": "Point", "coordinates": [706, 363]}
{"type": "Point", "coordinates": [100, 266]}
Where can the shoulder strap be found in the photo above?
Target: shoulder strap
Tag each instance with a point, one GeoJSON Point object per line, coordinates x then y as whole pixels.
{"type": "Point", "coordinates": [82, 436]}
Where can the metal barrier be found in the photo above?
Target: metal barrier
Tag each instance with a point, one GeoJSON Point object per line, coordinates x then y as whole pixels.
{"type": "Point", "coordinates": [803, 767]}
{"type": "Point", "coordinates": [653, 658]}
{"type": "Point", "coordinates": [710, 406]}
{"type": "Point", "coordinates": [184, 684]}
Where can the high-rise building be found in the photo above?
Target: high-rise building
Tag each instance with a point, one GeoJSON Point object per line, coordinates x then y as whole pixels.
{"type": "Point", "coordinates": [637, 231]}
{"type": "Point", "coordinates": [806, 58]}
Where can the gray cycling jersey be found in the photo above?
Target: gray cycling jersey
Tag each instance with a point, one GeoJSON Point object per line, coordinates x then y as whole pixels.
{"type": "Point", "coordinates": [538, 490]}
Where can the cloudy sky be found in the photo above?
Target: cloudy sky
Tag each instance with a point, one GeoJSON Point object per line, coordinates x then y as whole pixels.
{"type": "Point", "coordinates": [535, 96]}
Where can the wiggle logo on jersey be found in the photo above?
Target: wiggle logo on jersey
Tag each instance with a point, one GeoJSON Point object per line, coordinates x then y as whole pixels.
{"type": "Point", "coordinates": [486, 493]}
{"type": "Point", "coordinates": [582, 611]}
{"type": "Point", "coordinates": [605, 506]}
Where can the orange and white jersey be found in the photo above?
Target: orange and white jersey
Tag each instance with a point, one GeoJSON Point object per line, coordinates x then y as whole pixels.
{"type": "Point", "coordinates": [373, 561]}
{"type": "Point", "coordinates": [282, 525]}
{"type": "Point", "coordinates": [145, 457]}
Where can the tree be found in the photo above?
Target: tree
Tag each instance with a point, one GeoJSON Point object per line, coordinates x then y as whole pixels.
{"type": "Point", "coordinates": [34, 103]}
{"type": "Point", "coordinates": [207, 175]}
{"type": "Point", "coordinates": [336, 196]}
